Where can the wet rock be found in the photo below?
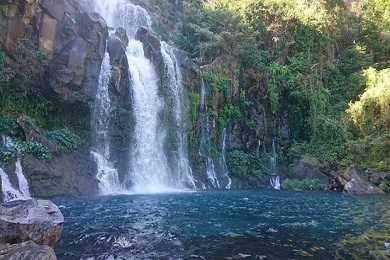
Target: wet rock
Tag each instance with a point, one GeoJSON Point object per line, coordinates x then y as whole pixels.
{"type": "Point", "coordinates": [355, 185]}
{"type": "Point", "coordinates": [40, 221]}
{"type": "Point", "coordinates": [305, 170]}
{"type": "Point", "coordinates": [151, 44]}
{"type": "Point", "coordinates": [26, 251]}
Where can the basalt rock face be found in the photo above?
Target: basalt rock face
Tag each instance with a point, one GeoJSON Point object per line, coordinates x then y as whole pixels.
{"type": "Point", "coordinates": [68, 174]}
{"type": "Point", "coordinates": [66, 38]}
{"type": "Point", "coordinates": [39, 221]}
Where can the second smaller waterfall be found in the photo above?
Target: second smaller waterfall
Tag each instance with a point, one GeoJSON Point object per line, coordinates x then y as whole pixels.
{"type": "Point", "coordinates": [14, 191]}
{"type": "Point", "coordinates": [205, 138]}
{"type": "Point", "coordinates": [274, 179]}
{"type": "Point", "coordinates": [222, 159]}
{"type": "Point", "coordinates": [106, 174]}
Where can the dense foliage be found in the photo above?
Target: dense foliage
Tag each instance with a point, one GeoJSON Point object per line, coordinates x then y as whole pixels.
{"type": "Point", "coordinates": [321, 68]}
{"type": "Point", "coordinates": [306, 184]}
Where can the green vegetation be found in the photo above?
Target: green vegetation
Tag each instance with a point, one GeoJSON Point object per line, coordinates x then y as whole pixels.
{"type": "Point", "coordinates": [322, 67]}
{"type": "Point", "coordinates": [194, 106]}
{"type": "Point", "coordinates": [305, 184]}
{"type": "Point", "coordinates": [243, 164]}
{"type": "Point", "coordinates": [67, 31]}
{"type": "Point", "coordinates": [384, 185]}
{"type": "Point", "coordinates": [66, 138]}
{"type": "Point", "coordinates": [17, 101]}
{"type": "Point", "coordinates": [23, 147]}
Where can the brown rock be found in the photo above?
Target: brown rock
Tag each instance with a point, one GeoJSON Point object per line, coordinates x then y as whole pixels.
{"type": "Point", "coordinates": [38, 220]}
{"type": "Point", "coordinates": [26, 251]}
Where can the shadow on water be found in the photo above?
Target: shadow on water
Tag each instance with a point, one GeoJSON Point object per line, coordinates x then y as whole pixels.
{"type": "Point", "coordinates": [225, 225]}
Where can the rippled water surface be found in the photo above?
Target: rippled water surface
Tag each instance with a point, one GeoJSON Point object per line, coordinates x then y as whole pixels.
{"type": "Point", "coordinates": [226, 225]}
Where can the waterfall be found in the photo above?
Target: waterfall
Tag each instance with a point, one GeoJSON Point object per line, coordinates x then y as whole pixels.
{"type": "Point", "coordinates": [14, 192]}
{"type": "Point", "coordinates": [23, 183]}
{"type": "Point", "coordinates": [274, 179]}
{"type": "Point", "coordinates": [150, 170]}
{"type": "Point", "coordinates": [222, 159]}
{"type": "Point", "coordinates": [205, 137]}
{"type": "Point", "coordinates": [106, 174]}
{"type": "Point", "coordinates": [175, 84]}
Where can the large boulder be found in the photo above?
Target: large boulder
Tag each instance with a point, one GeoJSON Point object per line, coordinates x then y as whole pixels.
{"type": "Point", "coordinates": [355, 185]}
{"type": "Point", "coordinates": [26, 251]}
{"type": "Point", "coordinates": [305, 170]}
{"type": "Point", "coordinates": [40, 221]}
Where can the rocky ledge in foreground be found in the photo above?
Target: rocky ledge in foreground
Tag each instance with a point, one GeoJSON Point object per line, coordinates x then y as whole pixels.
{"type": "Point", "coordinates": [29, 229]}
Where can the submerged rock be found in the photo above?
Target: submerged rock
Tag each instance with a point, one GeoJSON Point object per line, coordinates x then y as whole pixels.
{"type": "Point", "coordinates": [26, 251]}
{"type": "Point", "coordinates": [40, 221]}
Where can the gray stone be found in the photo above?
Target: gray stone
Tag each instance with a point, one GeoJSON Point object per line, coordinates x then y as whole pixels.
{"type": "Point", "coordinates": [55, 8]}
{"type": "Point", "coordinates": [38, 220]}
{"type": "Point", "coordinates": [68, 174]}
{"type": "Point", "coordinates": [356, 185]}
{"type": "Point", "coordinates": [305, 170]}
{"type": "Point", "coordinates": [26, 251]}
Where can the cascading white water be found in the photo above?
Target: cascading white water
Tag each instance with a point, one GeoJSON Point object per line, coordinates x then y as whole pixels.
{"type": "Point", "coordinates": [205, 137]}
{"type": "Point", "coordinates": [222, 160]}
{"type": "Point", "coordinates": [106, 174]}
{"type": "Point", "coordinates": [23, 183]}
{"type": "Point", "coordinates": [274, 179]}
{"type": "Point", "coordinates": [184, 171]}
{"type": "Point", "coordinates": [150, 171]}
{"type": "Point", "coordinates": [11, 192]}
{"type": "Point", "coordinates": [121, 13]}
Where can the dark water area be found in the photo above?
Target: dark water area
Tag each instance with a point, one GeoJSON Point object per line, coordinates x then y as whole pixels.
{"type": "Point", "coordinates": [226, 225]}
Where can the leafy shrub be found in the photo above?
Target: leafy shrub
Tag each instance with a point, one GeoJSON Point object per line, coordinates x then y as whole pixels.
{"type": "Point", "coordinates": [384, 186]}
{"type": "Point", "coordinates": [67, 30]}
{"type": "Point", "coordinates": [7, 155]}
{"type": "Point", "coordinates": [305, 184]}
{"type": "Point", "coordinates": [194, 105]}
{"type": "Point", "coordinates": [371, 114]}
{"type": "Point", "coordinates": [65, 138]}
{"type": "Point", "coordinates": [242, 164]}
{"type": "Point", "coordinates": [6, 124]}
{"type": "Point", "coordinates": [36, 149]}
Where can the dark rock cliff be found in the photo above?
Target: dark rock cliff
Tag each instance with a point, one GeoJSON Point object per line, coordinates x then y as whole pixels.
{"type": "Point", "coordinates": [54, 50]}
